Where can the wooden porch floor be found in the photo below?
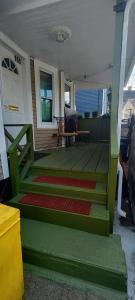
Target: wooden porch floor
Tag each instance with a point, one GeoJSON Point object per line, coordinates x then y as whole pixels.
{"type": "Point", "coordinates": [90, 157]}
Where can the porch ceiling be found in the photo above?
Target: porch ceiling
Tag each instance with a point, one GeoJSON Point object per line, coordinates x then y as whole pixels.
{"type": "Point", "coordinates": [90, 49]}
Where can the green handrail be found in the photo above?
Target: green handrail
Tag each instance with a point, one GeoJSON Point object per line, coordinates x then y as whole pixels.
{"type": "Point", "coordinates": [18, 138]}
{"type": "Point", "coordinates": [20, 158]}
{"type": "Point", "coordinates": [10, 138]}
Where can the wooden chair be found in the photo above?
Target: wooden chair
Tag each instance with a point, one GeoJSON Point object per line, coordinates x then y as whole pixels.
{"type": "Point", "coordinates": [62, 133]}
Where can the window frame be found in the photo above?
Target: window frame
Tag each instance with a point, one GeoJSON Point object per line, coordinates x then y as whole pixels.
{"type": "Point", "coordinates": [70, 87]}
{"type": "Point", "coordinates": [41, 66]}
{"type": "Point", "coordinates": [70, 84]}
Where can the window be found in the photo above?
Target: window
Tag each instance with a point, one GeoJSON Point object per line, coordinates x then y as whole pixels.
{"type": "Point", "coordinates": [67, 95]}
{"type": "Point", "coordinates": [8, 64]}
{"type": "Point", "coordinates": [46, 96]}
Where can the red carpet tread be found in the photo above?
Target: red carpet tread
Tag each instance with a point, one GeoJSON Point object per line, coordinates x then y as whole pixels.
{"type": "Point", "coordinates": [58, 203]}
{"type": "Point", "coordinates": [89, 184]}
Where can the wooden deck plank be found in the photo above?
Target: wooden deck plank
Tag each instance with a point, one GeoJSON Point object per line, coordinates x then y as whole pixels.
{"type": "Point", "coordinates": [78, 153]}
{"type": "Point", "coordinates": [79, 165]}
{"type": "Point", "coordinates": [104, 161]}
{"type": "Point", "coordinates": [93, 161]}
{"type": "Point", "coordinates": [66, 159]}
{"type": "Point", "coordinates": [71, 160]}
{"type": "Point", "coordinates": [91, 157]}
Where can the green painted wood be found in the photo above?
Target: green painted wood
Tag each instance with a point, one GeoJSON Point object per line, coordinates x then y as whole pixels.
{"type": "Point", "coordinates": [82, 285]}
{"type": "Point", "coordinates": [24, 152]}
{"type": "Point", "coordinates": [85, 158]}
{"type": "Point", "coordinates": [97, 222]}
{"type": "Point", "coordinates": [94, 159]}
{"type": "Point", "coordinates": [17, 169]}
{"type": "Point", "coordinates": [11, 139]}
{"type": "Point", "coordinates": [112, 183]}
{"type": "Point", "coordinates": [77, 158]}
{"type": "Point", "coordinates": [104, 160]}
{"type": "Point", "coordinates": [56, 248]}
{"type": "Point", "coordinates": [39, 171]}
{"type": "Point", "coordinates": [98, 195]}
{"type": "Point", "coordinates": [99, 128]}
{"type": "Point", "coordinates": [18, 138]}
{"type": "Point", "coordinates": [25, 169]}
{"type": "Point", "coordinates": [29, 136]}
{"type": "Point", "coordinates": [14, 172]}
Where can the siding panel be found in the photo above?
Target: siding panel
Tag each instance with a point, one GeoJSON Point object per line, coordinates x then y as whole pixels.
{"type": "Point", "coordinates": [44, 138]}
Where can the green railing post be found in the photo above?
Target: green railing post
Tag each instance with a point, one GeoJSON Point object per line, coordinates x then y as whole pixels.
{"type": "Point", "coordinates": [29, 136]}
{"type": "Point", "coordinates": [20, 157]}
{"type": "Point", "coordinates": [14, 171]}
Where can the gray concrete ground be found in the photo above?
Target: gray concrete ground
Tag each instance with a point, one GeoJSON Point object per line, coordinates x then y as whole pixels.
{"type": "Point", "coordinates": [37, 288]}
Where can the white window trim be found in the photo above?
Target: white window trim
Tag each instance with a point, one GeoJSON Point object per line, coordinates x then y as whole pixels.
{"type": "Point", "coordinates": [70, 84]}
{"type": "Point", "coordinates": [41, 66]}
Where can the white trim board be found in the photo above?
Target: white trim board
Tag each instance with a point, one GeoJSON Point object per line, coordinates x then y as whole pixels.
{"type": "Point", "coordinates": [42, 66]}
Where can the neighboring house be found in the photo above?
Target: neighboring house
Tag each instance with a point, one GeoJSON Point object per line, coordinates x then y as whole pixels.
{"type": "Point", "coordinates": [128, 109]}
{"type": "Point", "coordinates": [128, 95]}
{"type": "Point", "coordinates": [89, 101]}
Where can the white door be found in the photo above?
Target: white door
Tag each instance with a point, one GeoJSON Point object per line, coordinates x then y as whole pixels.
{"type": "Point", "coordinates": [12, 86]}
{"type": "Point", "coordinates": [12, 74]}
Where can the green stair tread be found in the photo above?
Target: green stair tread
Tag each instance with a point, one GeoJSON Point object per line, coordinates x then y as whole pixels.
{"type": "Point", "coordinates": [100, 186]}
{"type": "Point", "coordinates": [79, 284]}
{"type": "Point", "coordinates": [97, 210]}
{"type": "Point", "coordinates": [74, 245]}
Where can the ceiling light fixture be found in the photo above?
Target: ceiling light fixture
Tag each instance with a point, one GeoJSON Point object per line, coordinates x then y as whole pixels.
{"type": "Point", "coordinates": [61, 34]}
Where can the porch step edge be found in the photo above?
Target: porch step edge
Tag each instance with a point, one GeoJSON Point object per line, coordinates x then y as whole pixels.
{"type": "Point", "coordinates": [42, 247]}
{"type": "Point", "coordinates": [100, 176]}
{"type": "Point", "coordinates": [97, 222]}
{"type": "Point", "coordinates": [76, 283]}
{"type": "Point", "coordinates": [79, 193]}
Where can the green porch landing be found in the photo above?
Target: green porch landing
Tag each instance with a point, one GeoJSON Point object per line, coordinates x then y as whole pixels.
{"type": "Point", "coordinates": [82, 160]}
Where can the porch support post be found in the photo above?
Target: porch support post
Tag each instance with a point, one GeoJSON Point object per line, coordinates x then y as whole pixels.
{"type": "Point", "coordinates": [62, 78]}
{"type": "Point", "coordinates": [117, 97]}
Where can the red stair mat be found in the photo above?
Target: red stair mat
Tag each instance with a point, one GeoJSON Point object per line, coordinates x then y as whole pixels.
{"type": "Point", "coordinates": [58, 203]}
{"type": "Point", "coordinates": [89, 184]}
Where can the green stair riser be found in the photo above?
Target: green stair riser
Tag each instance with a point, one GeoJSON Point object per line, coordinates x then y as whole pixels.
{"type": "Point", "coordinates": [82, 285]}
{"type": "Point", "coordinates": [85, 223]}
{"type": "Point", "coordinates": [63, 191]}
{"type": "Point", "coordinates": [102, 177]}
{"type": "Point", "coordinates": [76, 268]}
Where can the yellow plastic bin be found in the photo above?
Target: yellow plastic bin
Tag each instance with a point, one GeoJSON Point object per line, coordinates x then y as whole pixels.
{"type": "Point", "coordinates": [11, 267]}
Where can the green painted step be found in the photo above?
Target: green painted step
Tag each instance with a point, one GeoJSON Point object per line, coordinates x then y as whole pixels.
{"type": "Point", "coordinates": [41, 170]}
{"type": "Point", "coordinates": [98, 194]}
{"type": "Point", "coordinates": [97, 222]}
{"type": "Point", "coordinates": [86, 256]}
{"type": "Point", "coordinates": [72, 282]}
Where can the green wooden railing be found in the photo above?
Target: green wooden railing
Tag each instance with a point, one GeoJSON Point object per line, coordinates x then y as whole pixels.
{"type": "Point", "coordinates": [20, 157]}
{"type": "Point", "coordinates": [112, 180]}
